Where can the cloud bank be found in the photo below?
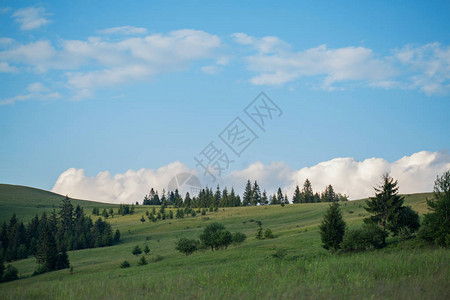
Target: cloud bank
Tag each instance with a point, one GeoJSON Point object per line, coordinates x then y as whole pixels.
{"type": "Point", "coordinates": [415, 173]}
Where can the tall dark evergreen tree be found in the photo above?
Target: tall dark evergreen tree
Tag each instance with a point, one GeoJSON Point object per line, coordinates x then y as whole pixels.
{"type": "Point", "coordinates": [247, 196]}
{"type": "Point", "coordinates": [264, 199]}
{"type": "Point", "coordinates": [385, 207]}
{"type": "Point", "coordinates": [47, 253]}
{"type": "Point", "coordinates": [332, 228]}
{"type": "Point", "coordinates": [297, 195]}
{"type": "Point", "coordinates": [280, 197]}
{"type": "Point", "coordinates": [307, 192]}
{"type": "Point", "coordinates": [256, 194]}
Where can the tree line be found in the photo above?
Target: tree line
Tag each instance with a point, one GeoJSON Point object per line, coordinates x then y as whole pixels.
{"type": "Point", "coordinates": [49, 237]}
{"type": "Point", "coordinates": [252, 196]}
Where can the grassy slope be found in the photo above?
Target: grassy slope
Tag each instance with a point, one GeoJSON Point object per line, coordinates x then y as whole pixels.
{"type": "Point", "coordinates": [27, 201]}
{"type": "Point", "coordinates": [245, 271]}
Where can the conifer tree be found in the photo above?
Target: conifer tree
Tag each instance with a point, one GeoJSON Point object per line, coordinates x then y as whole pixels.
{"type": "Point", "coordinates": [297, 195]}
{"type": "Point", "coordinates": [47, 252]}
{"type": "Point", "coordinates": [247, 196]}
{"type": "Point", "coordinates": [256, 194]}
{"type": "Point", "coordinates": [332, 228]}
{"type": "Point", "coordinates": [385, 207]}
{"type": "Point", "coordinates": [307, 192]}
{"type": "Point", "coordinates": [264, 199]}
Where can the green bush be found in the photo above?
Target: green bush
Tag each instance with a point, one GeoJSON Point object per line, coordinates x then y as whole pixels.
{"type": "Point", "coordinates": [10, 273]}
{"type": "Point", "coordinates": [370, 237]}
{"type": "Point", "coordinates": [238, 237]}
{"type": "Point", "coordinates": [157, 258]}
{"type": "Point", "coordinates": [187, 246]}
{"type": "Point", "coordinates": [268, 234]}
{"type": "Point", "coordinates": [216, 236]}
{"type": "Point", "coordinates": [125, 264]}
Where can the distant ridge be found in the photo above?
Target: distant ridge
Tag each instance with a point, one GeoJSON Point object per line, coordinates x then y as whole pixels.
{"type": "Point", "coordinates": [27, 201]}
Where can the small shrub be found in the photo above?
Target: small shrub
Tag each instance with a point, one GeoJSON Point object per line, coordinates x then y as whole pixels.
{"type": "Point", "coordinates": [187, 246]}
{"type": "Point", "coordinates": [10, 273]}
{"type": "Point", "coordinates": [41, 269]}
{"type": "Point", "coordinates": [280, 253]}
{"type": "Point", "coordinates": [136, 250]}
{"type": "Point", "coordinates": [125, 264]}
{"type": "Point", "coordinates": [238, 237]}
{"type": "Point", "coordinates": [268, 234]}
{"type": "Point", "coordinates": [259, 233]}
{"type": "Point", "coordinates": [370, 237]}
{"type": "Point", "coordinates": [350, 211]}
{"type": "Point", "coordinates": [146, 249]}
{"type": "Point", "coordinates": [142, 261]}
{"type": "Point", "coordinates": [157, 258]}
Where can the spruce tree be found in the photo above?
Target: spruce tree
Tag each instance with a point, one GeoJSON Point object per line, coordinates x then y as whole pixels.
{"type": "Point", "coordinates": [297, 195]}
{"type": "Point", "coordinates": [332, 228]}
{"type": "Point", "coordinates": [280, 197]}
{"type": "Point", "coordinates": [47, 252]}
{"type": "Point", "coordinates": [385, 207]}
{"type": "Point", "coordinates": [307, 192]}
{"type": "Point", "coordinates": [264, 199]}
{"type": "Point", "coordinates": [247, 196]}
{"type": "Point", "coordinates": [256, 194]}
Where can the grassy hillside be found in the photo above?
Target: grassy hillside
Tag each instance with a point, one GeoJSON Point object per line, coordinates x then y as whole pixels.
{"type": "Point", "coordinates": [248, 270]}
{"type": "Point", "coordinates": [27, 201]}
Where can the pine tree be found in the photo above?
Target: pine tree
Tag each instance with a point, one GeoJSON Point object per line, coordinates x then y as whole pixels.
{"type": "Point", "coordinates": [307, 192]}
{"type": "Point", "coordinates": [256, 194]}
{"type": "Point", "coordinates": [280, 197]}
{"type": "Point", "coordinates": [332, 228]}
{"type": "Point", "coordinates": [217, 196]}
{"type": "Point", "coordinates": [297, 195]}
{"type": "Point", "coordinates": [47, 252]}
{"type": "Point", "coordinates": [264, 199]}
{"type": "Point", "coordinates": [385, 206]}
{"type": "Point", "coordinates": [247, 196]}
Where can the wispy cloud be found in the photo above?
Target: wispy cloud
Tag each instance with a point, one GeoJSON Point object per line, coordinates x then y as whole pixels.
{"type": "Point", "coordinates": [6, 68]}
{"type": "Point", "coordinates": [34, 91]}
{"type": "Point", "coordinates": [31, 17]}
{"type": "Point", "coordinates": [425, 67]}
{"type": "Point", "coordinates": [100, 62]}
{"type": "Point", "coordinates": [123, 30]}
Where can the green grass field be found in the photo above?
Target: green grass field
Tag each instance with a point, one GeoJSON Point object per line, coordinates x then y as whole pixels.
{"type": "Point", "coordinates": [246, 271]}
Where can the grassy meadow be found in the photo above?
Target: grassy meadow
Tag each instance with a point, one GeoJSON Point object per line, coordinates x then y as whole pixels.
{"type": "Point", "coordinates": [293, 265]}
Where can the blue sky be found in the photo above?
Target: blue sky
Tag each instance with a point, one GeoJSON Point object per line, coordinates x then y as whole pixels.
{"type": "Point", "coordinates": [113, 86]}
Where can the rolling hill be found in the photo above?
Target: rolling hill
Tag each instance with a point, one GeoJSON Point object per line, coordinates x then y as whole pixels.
{"type": "Point", "coordinates": [27, 201]}
{"type": "Point", "coordinates": [293, 265]}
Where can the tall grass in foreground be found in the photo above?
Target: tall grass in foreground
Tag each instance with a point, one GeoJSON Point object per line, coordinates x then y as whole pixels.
{"type": "Point", "coordinates": [386, 274]}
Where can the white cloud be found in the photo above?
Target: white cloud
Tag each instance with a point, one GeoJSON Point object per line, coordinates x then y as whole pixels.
{"type": "Point", "coordinates": [6, 68]}
{"type": "Point", "coordinates": [128, 187]}
{"type": "Point", "coordinates": [124, 30]}
{"type": "Point", "coordinates": [429, 65]}
{"type": "Point", "coordinates": [31, 17]}
{"type": "Point", "coordinates": [99, 62]}
{"type": "Point", "coordinates": [425, 67]}
{"type": "Point", "coordinates": [35, 91]}
{"type": "Point", "coordinates": [415, 173]}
